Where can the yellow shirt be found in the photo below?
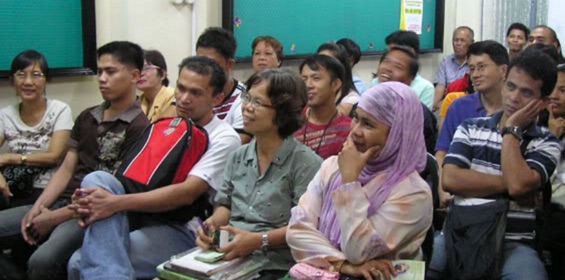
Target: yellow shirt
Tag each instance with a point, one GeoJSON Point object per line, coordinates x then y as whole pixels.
{"type": "Point", "coordinates": [163, 106]}
{"type": "Point", "coordinates": [448, 100]}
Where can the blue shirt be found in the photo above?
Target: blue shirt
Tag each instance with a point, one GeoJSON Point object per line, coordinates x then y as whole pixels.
{"type": "Point", "coordinates": [359, 85]}
{"type": "Point", "coordinates": [463, 108]}
{"type": "Point", "coordinates": [449, 70]}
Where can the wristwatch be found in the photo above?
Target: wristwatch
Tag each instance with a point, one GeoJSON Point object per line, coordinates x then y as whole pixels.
{"type": "Point", "coordinates": [23, 159]}
{"type": "Point", "coordinates": [265, 242]}
{"type": "Point", "coordinates": [514, 130]}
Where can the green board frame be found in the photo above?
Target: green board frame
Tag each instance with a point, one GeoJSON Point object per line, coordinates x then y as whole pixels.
{"type": "Point", "coordinates": [62, 30]}
{"type": "Point", "coordinates": [303, 25]}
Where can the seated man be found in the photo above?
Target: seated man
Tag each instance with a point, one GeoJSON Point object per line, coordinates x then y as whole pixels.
{"type": "Point", "coordinates": [453, 66]}
{"type": "Point", "coordinates": [423, 88]}
{"type": "Point", "coordinates": [400, 64]}
{"type": "Point", "coordinates": [487, 61]}
{"type": "Point", "coordinates": [326, 129]}
{"type": "Point", "coordinates": [110, 250]}
{"type": "Point", "coordinates": [99, 139]}
{"type": "Point", "coordinates": [220, 45]}
{"type": "Point", "coordinates": [518, 159]}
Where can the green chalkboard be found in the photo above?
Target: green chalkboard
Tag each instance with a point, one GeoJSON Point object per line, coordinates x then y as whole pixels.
{"type": "Point", "coordinates": [302, 25]}
{"type": "Point", "coordinates": [63, 30]}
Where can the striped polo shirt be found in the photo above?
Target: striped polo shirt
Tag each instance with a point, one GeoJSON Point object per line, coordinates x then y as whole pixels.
{"type": "Point", "coordinates": [477, 145]}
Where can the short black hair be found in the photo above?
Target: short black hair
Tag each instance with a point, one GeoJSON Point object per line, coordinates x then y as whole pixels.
{"type": "Point", "coordinates": [539, 66]}
{"type": "Point", "coordinates": [553, 33]}
{"type": "Point", "coordinates": [125, 52]}
{"type": "Point", "coordinates": [155, 57]}
{"type": "Point", "coordinates": [404, 38]}
{"type": "Point", "coordinates": [413, 67]}
{"type": "Point", "coordinates": [561, 68]}
{"type": "Point", "coordinates": [218, 39]}
{"type": "Point", "coordinates": [496, 51]}
{"type": "Point", "coordinates": [27, 58]}
{"type": "Point", "coordinates": [206, 66]}
{"type": "Point", "coordinates": [519, 26]}
{"type": "Point", "coordinates": [341, 55]}
{"type": "Point", "coordinates": [547, 49]}
{"type": "Point", "coordinates": [353, 50]}
{"type": "Point", "coordinates": [334, 68]}
{"type": "Point", "coordinates": [287, 93]}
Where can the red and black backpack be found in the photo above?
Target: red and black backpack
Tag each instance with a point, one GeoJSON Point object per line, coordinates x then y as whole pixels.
{"type": "Point", "coordinates": [164, 155]}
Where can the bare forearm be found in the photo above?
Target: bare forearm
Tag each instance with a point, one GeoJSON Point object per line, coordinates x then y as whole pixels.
{"type": "Point", "coordinates": [517, 176]}
{"type": "Point", "coordinates": [51, 157]}
{"type": "Point", "coordinates": [221, 216]}
{"type": "Point", "coordinates": [470, 183]}
{"type": "Point", "coordinates": [277, 237]}
{"type": "Point", "coordinates": [63, 214]}
{"type": "Point", "coordinates": [55, 187]}
{"type": "Point", "coordinates": [162, 199]}
{"type": "Point", "coordinates": [438, 96]}
{"type": "Point", "coordinates": [156, 201]}
{"type": "Point", "coordinates": [41, 159]}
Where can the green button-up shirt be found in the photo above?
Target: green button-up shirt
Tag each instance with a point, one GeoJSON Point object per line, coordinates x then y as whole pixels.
{"type": "Point", "coordinates": [262, 202]}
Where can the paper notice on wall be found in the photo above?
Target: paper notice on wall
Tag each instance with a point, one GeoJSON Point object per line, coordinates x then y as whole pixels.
{"type": "Point", "coordinates": [411, 15]}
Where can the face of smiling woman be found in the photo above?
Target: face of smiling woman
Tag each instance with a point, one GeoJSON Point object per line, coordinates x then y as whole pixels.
{"type": "Point", "coordinates": [258, 113]}
{"type": "Point", "coordinates": [367, 132]}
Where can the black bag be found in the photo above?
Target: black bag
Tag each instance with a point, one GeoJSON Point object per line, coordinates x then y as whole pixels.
{"type": "Point", "coordinates": [20, 179]}
{"type": "Point", "coordinates": [474, 240]}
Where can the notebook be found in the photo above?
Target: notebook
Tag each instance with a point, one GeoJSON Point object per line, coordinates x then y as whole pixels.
{"type": "Point", "coordinates": [189, 263]}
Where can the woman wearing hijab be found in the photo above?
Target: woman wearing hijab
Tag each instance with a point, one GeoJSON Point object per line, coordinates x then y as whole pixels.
{"type": "Point", "coordinates": [368, 205]}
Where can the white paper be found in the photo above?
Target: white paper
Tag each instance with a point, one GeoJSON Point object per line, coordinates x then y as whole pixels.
{"type": "Point", "coordinates": [413, 11]}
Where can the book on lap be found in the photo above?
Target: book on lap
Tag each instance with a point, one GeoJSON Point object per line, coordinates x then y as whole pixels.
{"type": "Point", "coordinates": [186, 266]}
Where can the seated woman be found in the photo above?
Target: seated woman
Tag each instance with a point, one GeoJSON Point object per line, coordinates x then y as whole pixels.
{"type": "Point", "coordinates": [157, 100]}
{"type": "Point", "coordinates": [349, 95]}
{"type": "Point", "coordinates": [36, 131]}
{"type": "Point", "coordinates": [368, 205]}
{"type": "Point", "coordinates": [267, 53]}
{"type": "Point", "coordinates": [265, 178]}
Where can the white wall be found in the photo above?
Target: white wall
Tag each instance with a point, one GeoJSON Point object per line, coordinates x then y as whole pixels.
{"type": "Point", "coordinates": [161, 25]}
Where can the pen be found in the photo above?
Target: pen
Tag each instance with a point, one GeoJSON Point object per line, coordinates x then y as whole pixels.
{"type": "Point", "coordinates": [203, 226]}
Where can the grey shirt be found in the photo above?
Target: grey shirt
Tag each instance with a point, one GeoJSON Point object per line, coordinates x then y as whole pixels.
{"type": "Point", "coordinates": [262, 202]}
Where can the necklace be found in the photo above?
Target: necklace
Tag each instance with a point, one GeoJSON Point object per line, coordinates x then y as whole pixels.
{"type": "Point", "coordinates": [323, 133]}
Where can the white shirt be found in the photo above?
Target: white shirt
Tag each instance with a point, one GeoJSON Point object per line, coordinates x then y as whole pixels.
{"type": "Point", "coordinates": [24, 139]}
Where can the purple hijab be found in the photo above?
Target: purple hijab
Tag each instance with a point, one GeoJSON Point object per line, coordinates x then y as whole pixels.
{"type": "Point", "coordinates": [396, 105]}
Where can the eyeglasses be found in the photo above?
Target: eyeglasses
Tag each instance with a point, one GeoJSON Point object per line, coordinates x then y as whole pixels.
{"type": "Point", "coordinates": [149, 67]}
{"type": "Point", "coordinates": [255, 103]}
{"type": "Point", "coordinates": [35, 76]}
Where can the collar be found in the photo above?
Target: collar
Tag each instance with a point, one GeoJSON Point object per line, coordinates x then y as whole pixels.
{"type": "Point", "coordinates": [235, 84]}
{"type": "Point", "coordinates": [127, 116]}
{"type": "Point", "coordinates": [531, 131]}
{"type": "Point", "coordinates": [477, 103]}
{"type": "Point", "coordinates": [454, 60]}
{"type": "Point", "coordinates": [284, 151]}
{"type": "Point", "coordinates": [160, 98]}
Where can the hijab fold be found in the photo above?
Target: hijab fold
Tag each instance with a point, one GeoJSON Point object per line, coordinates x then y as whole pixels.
{"type": "Point", "coordinates": [396, 105]}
